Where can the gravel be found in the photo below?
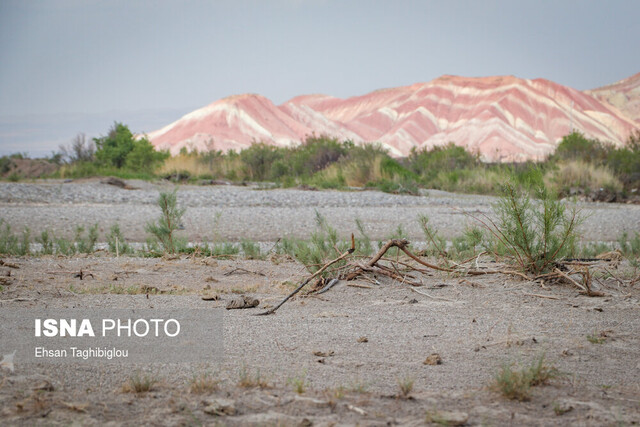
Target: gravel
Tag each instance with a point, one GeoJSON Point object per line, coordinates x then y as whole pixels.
{"type": "Point", "coordinates": [263, 215]}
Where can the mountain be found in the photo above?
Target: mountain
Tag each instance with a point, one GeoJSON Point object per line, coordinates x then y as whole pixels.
{"type": "Point", "coordinates": [503, 118]}
{"type": "Point", "coordinates": [624, 95]}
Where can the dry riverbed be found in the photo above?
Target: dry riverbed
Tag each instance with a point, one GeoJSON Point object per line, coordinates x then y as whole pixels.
{"type": "Point", "coordinates": [341, 358]}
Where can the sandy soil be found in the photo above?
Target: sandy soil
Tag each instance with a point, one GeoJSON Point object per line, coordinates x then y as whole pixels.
{"type": "Point", "coordinates": [475, 324]}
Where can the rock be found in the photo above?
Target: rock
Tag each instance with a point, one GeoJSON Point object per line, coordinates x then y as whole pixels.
{"type": "Point", "coordinates": [220, 407]}
{"type": "Point", "coordinates": [242, 302]}
{"type": "Point", "coordinates": [433, 359]}
{"type": "Point", "coordinates": [448, 418]}
{"type": "Point", "coordinates": [117, 182]}
{"type": "Point", "coordinates": [562, 407]}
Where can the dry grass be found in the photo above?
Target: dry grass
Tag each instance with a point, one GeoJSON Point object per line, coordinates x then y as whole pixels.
{"type": "Point", "coordinates": [206, 382]}
{"type": "Point", "coordinates": [516, 384]}
{"type": "Point", "coordinates": [405, 386]}
{"type": "Point", "coordinates": [580, 174]}
{"type": "Point", "coordinates": [139, 383]}
{"type": "Point", "coordinates": [246, 380]}
{"type": "Point", "coordinates": [354, 173]}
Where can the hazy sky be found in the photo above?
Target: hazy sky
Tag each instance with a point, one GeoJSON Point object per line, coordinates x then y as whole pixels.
{"type": "Point", "coordinates": [111, 59]}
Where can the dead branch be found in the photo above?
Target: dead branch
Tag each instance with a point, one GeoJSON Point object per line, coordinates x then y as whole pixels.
{"type": "Point", "coordinates": [431, 296]}
{"type": "Point", "coordinates": [308, 279]}
{"type": "Point", "coordinates": [358, 285]}
{"type": "Point", "coordinates": [540, 295]}
{"type": "Point", "coordinates": [8, 264]}
{"type": "Point", "coordinates": [240, 270]}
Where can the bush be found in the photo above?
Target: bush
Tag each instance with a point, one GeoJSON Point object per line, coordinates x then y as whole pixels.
{"type": "Point", "coordinates": [120, 149]}
{"type": "Point", "coordinates": [516, 385]}
{"type": "Point", "coordinates": [13, 244]}
{"type": "Point", "coordinates": [429, 163]}
{"type": "Point", "coordinates": [536, 234]}
{"type": "Point", "coordinates": [164, 228]}
{"type": "Point", "coordinates": [116, 241]}
{"type": "Point", "coordinates": [578, 174]}
{"type": "Point", "coordinates": [576, 146]}
{"type": "Point", "coordinates": [257, 161]}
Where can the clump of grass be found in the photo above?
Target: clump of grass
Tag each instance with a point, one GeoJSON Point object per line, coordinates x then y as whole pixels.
{"type": "Point", "coordinates": [516, 384]}
{"type": "Point", "coordinates": [436, 244]}
{"type": "Point", "coordinates": [630, 247]}
{"type": "Point", "coordinates": [86, 244]}
{"type": "Point", "coordinates": [582, 175]}
{"type": "Point", "coordinates": [13, 244]}
{"type": "Point", "coordinates": [163, 230]}
{"type": "Point", "coordinates": [299, 382]}
{"type": "Point", "coordinates": [46, 240]}
{"type": "Point", "coordinates": [357, 386]}
{"type": "Point", "coordinates": [250, 249]}
{"type": "Point", "coordinates": [405, 386]}
{"type": "Point", "coordinates": [246, 380]}
{"type": "Point", "coordinates": [140, 383]}
{"type": "Point", "coordinates": [597, 338]}
{"type": "Point", "coordinates": [205, 382]}
{"type": "Point", "coordinates": [323, 246]}
{"type": "Point", "coordinates": [116, 241]}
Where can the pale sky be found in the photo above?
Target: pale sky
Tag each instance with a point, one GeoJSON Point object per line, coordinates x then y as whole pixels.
{"type": "Point", "coordinates": [69, 66]}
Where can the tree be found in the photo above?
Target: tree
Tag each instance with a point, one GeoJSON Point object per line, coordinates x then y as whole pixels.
{"type": "Point", "coordinates": [121, 149]}
{"type": "Point", "coordinates": [80, 150]}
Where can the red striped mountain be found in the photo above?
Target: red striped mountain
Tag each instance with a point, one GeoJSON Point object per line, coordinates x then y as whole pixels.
{"type": "Point", "coordinates": [502, 118]}
{"type": "Point", "coordinates": [624, 95]}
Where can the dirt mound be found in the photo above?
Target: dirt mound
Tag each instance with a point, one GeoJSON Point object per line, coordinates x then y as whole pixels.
{"type": "Point", "coordinates": [28, 168]}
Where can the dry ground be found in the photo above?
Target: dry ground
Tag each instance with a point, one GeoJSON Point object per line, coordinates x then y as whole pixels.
{"type": "Point", "coordinates": [475, 324]}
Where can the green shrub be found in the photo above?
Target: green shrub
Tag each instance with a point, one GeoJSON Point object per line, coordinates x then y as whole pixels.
{"type": "Point", "coordinates": [163, 230]}
{"type": "Point", "coordinates": [536, 234]}
{"type": "Point", "coordinates": [13, 244]}
{"type": "Point", "coordinates": [86, 244]}
{"type": "Point", "coordinates": [516, 385]}
{"type": "Point", "coordinates": [576, 146]}
{"type": "Point", "coordinates": [429, 163]}
{"type": "Point", "coordinates": [257, 161]}
{"type": "Point", "coordinates": [116, 241]}
{"type": "Point", "coordinates": [120, 149]}
{"type": "Point", "coordinates": [46, 239]}
{"type": "Point", "coordinates": [251, 249]}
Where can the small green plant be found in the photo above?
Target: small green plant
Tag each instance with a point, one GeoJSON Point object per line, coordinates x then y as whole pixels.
{"type": "Point", "coordinates": [323, 246]}
{"type": "Point", "coordinates": [86, 244]}
{"type": "Point", "coordinates": [246, 380]}
{"type": "Point", "coordinates": [630, 247]}
{"type": "Point", "coordinates": [116, 241]}
{"type": "Point", "coordinates": [139, 383]}
{"type": "Point", "coordinates": [46, 241]}
{"type": "Point", "coordinates": [560, 409]}
{"type": "Point", "coordinates": [206, 382]}
{"type": "Point", "coordinates": [251, 249]}
{"type": "Point", "coordinates": [13, 244]}
{"type": "Point", "coordinates": [225, 249]}
{"type": "Point", "coordinates": [535, 234]}
{"type": "Point", "coordinates": [163, 230]}
{"type": "Point", "coordinates": [516, 385]}
{"type": "Point", "coordinates": [357, 386]}
{"type": "Point", "coordinates": [597, 338]}
{"type": "Point", "coordinates": [405, 386]}
{"type": "Point", "coordinates": [436, 244]}
{"type": "Point", "coordinates": [64, 246]}
{"type": "Point", "coordinates": [299, 382]}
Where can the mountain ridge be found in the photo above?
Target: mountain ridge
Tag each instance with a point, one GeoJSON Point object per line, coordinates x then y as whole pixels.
{"type": "Point", "coordinates": [502, 118]}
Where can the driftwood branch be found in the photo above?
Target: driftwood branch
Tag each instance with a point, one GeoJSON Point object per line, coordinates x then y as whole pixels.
{"type": "Point", "coordinates": [310, 278]}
